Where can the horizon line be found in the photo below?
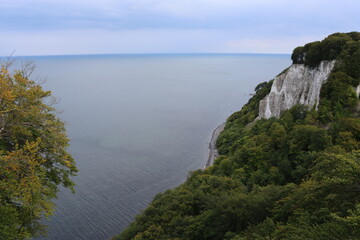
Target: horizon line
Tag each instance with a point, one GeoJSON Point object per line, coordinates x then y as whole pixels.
{"type": "Point", "coordinates": [117, 54]}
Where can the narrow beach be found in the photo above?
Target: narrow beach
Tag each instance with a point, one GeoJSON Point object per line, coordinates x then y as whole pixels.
{"type": "Point", "coordinates": [213, 152]}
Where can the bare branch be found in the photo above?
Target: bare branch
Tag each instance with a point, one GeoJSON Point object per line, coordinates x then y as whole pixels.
{"type": "Point", "coordinates": [27, 68]}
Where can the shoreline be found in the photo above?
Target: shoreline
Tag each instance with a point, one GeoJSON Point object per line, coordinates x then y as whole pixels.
{"type": "Point", "coordinates": [213, 152]}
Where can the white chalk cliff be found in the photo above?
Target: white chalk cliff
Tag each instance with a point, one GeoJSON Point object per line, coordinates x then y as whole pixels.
{"type": "Point", "coordinates": [298, 85]}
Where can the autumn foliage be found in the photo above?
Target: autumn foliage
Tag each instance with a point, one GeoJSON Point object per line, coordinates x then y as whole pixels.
{"type": "Point", "coordinates": [33, 156]}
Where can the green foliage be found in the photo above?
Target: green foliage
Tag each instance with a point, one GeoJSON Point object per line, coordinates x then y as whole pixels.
{"type": "Point", "coordinates": [313, 54]}
{"type": "Point", "coordinates": [295, 177]}
{"type": "Point", "coordinates": [240, 119]}
{"type": "Point", "coordinates": [337, 97]}
{"type": "Point", "coordinates": [298, 55]}
{"type": "Point", "coordinates": [328, 49]}
{"type": "Point", "coordinates": [33, 159]}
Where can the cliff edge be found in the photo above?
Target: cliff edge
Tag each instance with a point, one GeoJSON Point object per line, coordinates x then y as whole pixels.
{"type": "Point", "coordinates": [300, 84]}
{"type": "Point", "coordinates": [292, 175]}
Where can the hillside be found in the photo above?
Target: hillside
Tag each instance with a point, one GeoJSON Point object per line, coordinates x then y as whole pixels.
{"type": "Point", "coordinates": [290, 175]}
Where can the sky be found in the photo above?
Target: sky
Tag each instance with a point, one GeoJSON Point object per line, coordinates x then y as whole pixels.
{"type": "Point", "coordinates": [66, 27]}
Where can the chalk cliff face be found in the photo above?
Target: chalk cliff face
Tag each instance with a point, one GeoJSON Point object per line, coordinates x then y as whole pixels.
{"type": "Point", "coordinates": [298, 85]}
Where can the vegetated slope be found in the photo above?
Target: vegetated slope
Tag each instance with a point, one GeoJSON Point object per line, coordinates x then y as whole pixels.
{"type": "Point", "coordinates": [292, 177]}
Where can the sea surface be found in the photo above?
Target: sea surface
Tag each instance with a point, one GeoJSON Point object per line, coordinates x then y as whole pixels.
{"type": "Point", "coordinates": [138, 124]}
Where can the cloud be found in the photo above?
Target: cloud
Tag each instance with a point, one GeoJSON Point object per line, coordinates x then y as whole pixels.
{"type": "Point", "coordinates": [98, 41]}
{"type": "Point", "coordinates": [104, 41]}
{"type": "Point", "coordinates": [132, 14]}
{"type": "Point", "coordinates": [116, 26]}
{"type": "Point", "coordinates": [268, 45]}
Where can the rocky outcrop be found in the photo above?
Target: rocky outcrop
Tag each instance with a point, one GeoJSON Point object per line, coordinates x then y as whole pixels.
{"type": "Point", "coordinates": [357, 90]}
{"type": "Point", "coordinates": [298, 85]}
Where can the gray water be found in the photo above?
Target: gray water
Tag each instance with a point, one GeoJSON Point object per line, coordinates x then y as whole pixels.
{"type": "Point", "coordinates": [138, 124]}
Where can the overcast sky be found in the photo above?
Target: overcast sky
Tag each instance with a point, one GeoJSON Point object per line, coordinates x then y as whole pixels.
{"type": "Point", "coordinates": [57, 27]}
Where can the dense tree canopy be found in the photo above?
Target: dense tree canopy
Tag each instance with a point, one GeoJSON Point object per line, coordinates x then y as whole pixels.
{"type": "Point", "coordinates": [33, 157]}
{"type": "Point", "coordinates": [295, 177]}
{"type": "Point", "coordinates": [330, 48]}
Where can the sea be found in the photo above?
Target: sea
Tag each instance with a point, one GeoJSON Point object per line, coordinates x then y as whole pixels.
{"type": "Point", "coordinates": [138, 125]}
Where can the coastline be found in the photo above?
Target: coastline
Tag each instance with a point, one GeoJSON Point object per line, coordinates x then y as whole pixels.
{"type": "Point", "coordinates": [213, 152]}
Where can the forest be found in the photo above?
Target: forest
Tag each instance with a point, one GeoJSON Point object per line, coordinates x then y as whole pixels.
{"type": "Point", "coordinates": [293, 177]}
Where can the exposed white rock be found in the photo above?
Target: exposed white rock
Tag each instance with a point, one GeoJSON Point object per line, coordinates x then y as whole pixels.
{"type": "Point", "coordinates": [357, 90]}
{"type": "Point", "coordinates": [298, 85]}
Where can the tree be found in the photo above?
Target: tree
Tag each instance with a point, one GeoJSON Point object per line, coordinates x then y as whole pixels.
{"type": "Point", "coordinates": [298, 55]}
{"type": "Point", "coordinates": [33, 156]}
{"type": "Point", "coordinates": [296, 177]}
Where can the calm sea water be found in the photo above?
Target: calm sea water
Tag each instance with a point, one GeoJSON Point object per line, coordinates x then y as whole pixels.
{"type": "Point", "coordinates": [138, 124]}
